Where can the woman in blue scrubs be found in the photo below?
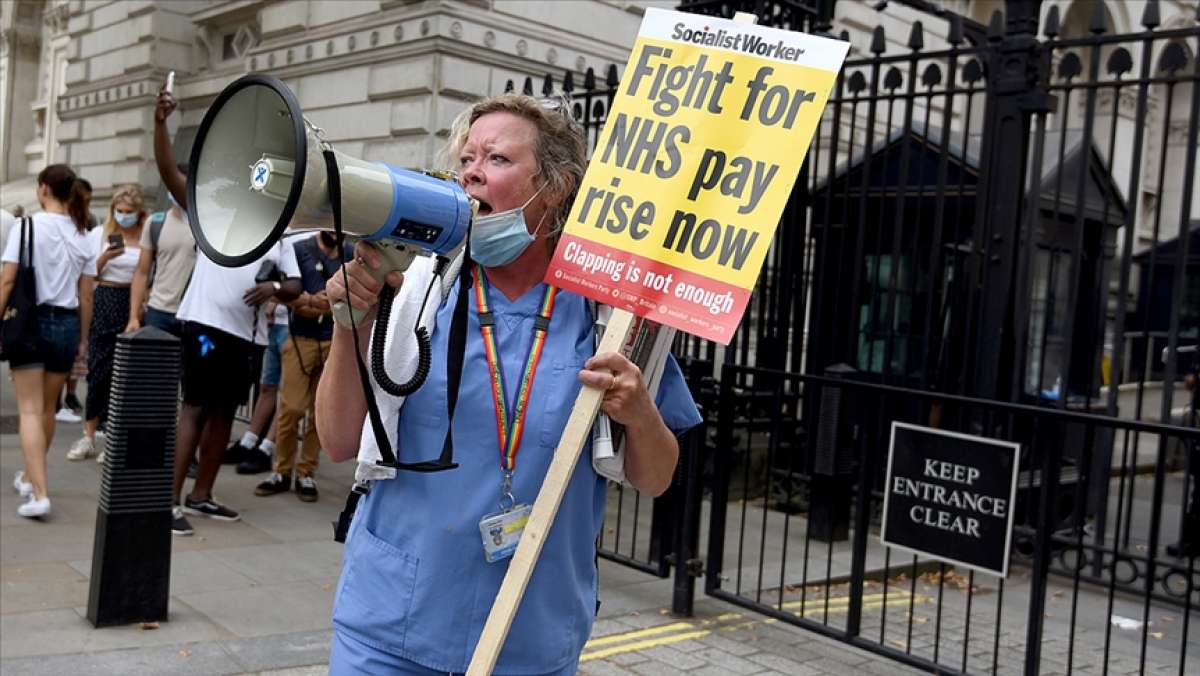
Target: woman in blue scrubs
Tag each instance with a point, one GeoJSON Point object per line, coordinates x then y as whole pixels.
{"type": "Point", "coordinates": [416, 584]}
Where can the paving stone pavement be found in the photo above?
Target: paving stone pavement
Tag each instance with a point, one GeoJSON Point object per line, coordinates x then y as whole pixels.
{"type": "Point", "coordinates": [255, 597]}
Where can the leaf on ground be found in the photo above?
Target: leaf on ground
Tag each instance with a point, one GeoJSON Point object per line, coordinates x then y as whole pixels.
{"type": "Point", "coordinates": [1168, 619]}
{"type": "Point", "coordinates": [898, 643]}
{"type": "Point", "coordinates": [185, 653]}
{"type": "Point", "coordinates": [148, 626]}
{"type": "Point", "coordinates": [1156, 635]}
{"type": "Point", "coordinates": [920, 620]}
{"type": "Point", "coordinates": [1058, 594]}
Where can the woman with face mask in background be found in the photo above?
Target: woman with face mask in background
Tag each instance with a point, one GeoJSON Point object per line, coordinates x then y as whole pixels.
{"type": "Point", "coordinates": [420, 575]}
{"type": "Point", "coordinates": [64, 265]}
{"type": "Point", "coordinates": [117, 249]}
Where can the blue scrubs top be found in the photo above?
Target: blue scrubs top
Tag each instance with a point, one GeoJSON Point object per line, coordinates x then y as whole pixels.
{"type": "Point", "coordinates": [415, 582]}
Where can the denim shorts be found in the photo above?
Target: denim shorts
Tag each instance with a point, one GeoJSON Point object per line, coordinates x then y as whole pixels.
{"type": "Point", "coordinates": [58, 341]}
{"type": "Point", "coordinates": [272, 367]}
{"type": "Point", "coordinates": [163, 320]}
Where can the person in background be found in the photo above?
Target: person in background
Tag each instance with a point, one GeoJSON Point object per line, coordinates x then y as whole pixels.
{"type": "Point", "coordinates": [168, 255]}
{"type": "Point", "coordinates": [253, 451]}
{"type": "Point", "coordinates": [223, 330]}
{"type": "Point", "coordinates": [304, 356]}
{"type": "Point", "coordinates": [117, 249]}
{"type": "Point", "coordinates": [1188, 544]}
{"type": "Point", "coordinates": [70, 409]}
{"type": "Point", "coordinates": [64, 266]}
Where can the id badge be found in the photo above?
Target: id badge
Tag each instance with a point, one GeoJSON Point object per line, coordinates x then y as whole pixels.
{"type": "Point", "coordinates": [502, 531]}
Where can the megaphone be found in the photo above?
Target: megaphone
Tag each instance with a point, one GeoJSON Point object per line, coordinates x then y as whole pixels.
{"type": "Point", "coordinates": [258, 169]}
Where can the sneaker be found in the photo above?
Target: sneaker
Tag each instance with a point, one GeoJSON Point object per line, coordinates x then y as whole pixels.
{"type": "Point", "coordinates": [193, 467]}
{"type": "Point", "coordinates": [210, 508]}
{"type": "Point", "coordinates": [306, 488]}
{"type": "Point", "coordinates": [179, 523]}
{"type": "Point", "coordinates": [100, 457]}
{"type": "Point", "coordinates": [257, 463]}
{"type": "Point", "coordinates": [72, 402]}
{"type": "Point", "coordinates": [21, 486]}
{"type": "Point", "coordinates": [236, 453]}
{"type": "Point", "coordinates": [276, 484]}
{"type": "Point", "coordinates": [34, 507]}
{"type": "Point", "coordinates": [66, 415]}
{"type": "Point", "coordinates": [82, 449]}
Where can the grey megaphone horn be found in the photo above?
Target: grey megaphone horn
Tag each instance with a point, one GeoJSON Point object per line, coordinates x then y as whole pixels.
{"type": "Point", "coordinates": [258, 170]}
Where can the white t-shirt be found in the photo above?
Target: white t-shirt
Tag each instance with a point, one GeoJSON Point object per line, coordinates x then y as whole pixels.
{"type": "Point", "coordinates": [119, 269]}
{"type": "Point", "coordinates": [60, 255]}
{"type": "Point", "coordinates": [214, 296]}
{"type": "Point", "coordinates": [7, 221]}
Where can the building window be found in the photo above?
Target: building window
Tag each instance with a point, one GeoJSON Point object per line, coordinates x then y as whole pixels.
{"type": "Point", "coordinates": [237, 42]}
{"type": "Point", "coordinates": [1049, 319]}
{"type": "Point", "coordinates": [886, 315]}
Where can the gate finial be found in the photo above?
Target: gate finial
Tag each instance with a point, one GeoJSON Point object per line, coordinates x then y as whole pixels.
{"type": "Point", "coordinates": [1052, 21]}
{"type": "Point", "coordinates": [1099, 19]}
{"type": "Point", "coordinates": [916, 39]}
{"type": "Point", "coordinates": [1150, 16]}
{"type": "Point", "coordinates": [878, 42]}
{"type": "Point", "coordinates": [995, 29]}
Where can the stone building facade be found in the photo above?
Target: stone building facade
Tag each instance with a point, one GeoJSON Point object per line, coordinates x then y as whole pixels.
{"type": "Point", "coordinates": [78, 78]}
{"type": "Point", "coordinates": [382, 77]}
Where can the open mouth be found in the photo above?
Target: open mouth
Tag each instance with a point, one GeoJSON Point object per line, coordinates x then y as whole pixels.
{"type": "Point", "coordinates": [484, 208]}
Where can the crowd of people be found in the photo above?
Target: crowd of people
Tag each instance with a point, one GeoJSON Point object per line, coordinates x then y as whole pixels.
{"type": "Point", "coordinates": [139, 267]}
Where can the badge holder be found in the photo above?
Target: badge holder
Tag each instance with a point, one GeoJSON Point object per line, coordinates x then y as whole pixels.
{"type": "Point", "coordinates": [501, 531]}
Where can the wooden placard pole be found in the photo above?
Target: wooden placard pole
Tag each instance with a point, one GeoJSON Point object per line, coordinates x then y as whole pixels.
{"type": "Point", "coordinates": [545, 508]}
{"type": "Point", "coordinates": [566, 455]}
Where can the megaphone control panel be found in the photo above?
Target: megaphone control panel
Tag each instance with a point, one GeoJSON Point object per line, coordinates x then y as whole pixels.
{"type": "Point", "coordinates": [417, 232]}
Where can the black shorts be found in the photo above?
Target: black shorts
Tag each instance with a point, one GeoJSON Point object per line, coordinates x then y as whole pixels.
{"type": "Point", "coordinates": [218, 367]}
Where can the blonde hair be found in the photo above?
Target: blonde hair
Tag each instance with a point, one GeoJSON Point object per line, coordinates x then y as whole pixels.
{"type": "Point", "coordinates": [560, 148]}
{"type": "Point", "coordinates": [125, 193]}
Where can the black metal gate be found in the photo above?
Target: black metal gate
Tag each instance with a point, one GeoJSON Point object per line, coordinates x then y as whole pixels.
{"type": "Point", "coordinates": [996, 235]}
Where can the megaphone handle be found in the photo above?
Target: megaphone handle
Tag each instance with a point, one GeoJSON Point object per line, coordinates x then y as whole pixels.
{"type": "Point", "coordinates": [394, 256]}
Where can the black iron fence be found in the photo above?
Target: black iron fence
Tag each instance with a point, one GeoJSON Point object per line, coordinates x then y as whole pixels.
{"type": "Point", "coordinates": [994, 232]}
{"type": "Point", "coordinates": [1086, 590]}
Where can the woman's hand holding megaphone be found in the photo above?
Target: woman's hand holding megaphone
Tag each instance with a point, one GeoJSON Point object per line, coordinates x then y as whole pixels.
{"type": "Point", "coordinates": [360, 286]}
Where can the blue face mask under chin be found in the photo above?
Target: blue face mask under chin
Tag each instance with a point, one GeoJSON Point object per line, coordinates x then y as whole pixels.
{"type": "Point", "coordinates": [497, 239]}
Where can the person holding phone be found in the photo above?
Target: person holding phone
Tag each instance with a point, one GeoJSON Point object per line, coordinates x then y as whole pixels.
{"type": "Point", "coordinates": [117, 250]}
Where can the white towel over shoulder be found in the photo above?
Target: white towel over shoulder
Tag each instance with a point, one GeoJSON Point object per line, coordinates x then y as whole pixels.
{"type": "Point", "coordinates": [400, 356]}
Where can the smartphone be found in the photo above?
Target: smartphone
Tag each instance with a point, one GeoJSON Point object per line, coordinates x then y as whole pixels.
{"type": "Point", "coordinates": [170, 85]}
{"type": "Point", "coordinates": [116, 241]}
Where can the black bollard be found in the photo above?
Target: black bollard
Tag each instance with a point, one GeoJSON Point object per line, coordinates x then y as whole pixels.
{"type": "Point", "coordinates": [131, 554]}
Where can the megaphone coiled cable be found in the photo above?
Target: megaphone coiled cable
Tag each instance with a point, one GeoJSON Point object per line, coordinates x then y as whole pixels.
{"type": "Point", "coordinates": [378, 343]}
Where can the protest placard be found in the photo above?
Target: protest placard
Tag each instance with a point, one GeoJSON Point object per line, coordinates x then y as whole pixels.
{"type": "Point", "coordinates": [687, 182]}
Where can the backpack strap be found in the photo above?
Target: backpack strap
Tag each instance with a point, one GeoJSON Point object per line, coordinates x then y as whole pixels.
{"type": "Point", "coordinates": [156, 225]}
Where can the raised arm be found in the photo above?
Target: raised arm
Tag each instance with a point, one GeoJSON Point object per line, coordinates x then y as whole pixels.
{"type": "Point", "coordinates": [164, 157]}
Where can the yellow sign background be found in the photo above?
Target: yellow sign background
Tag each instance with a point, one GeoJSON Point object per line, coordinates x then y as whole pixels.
{"type": "Point", "coordinates": [725, 132]}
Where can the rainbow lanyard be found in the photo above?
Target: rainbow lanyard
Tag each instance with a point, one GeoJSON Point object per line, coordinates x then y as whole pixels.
{"type": "Point", "coordinates": [508, 433]}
